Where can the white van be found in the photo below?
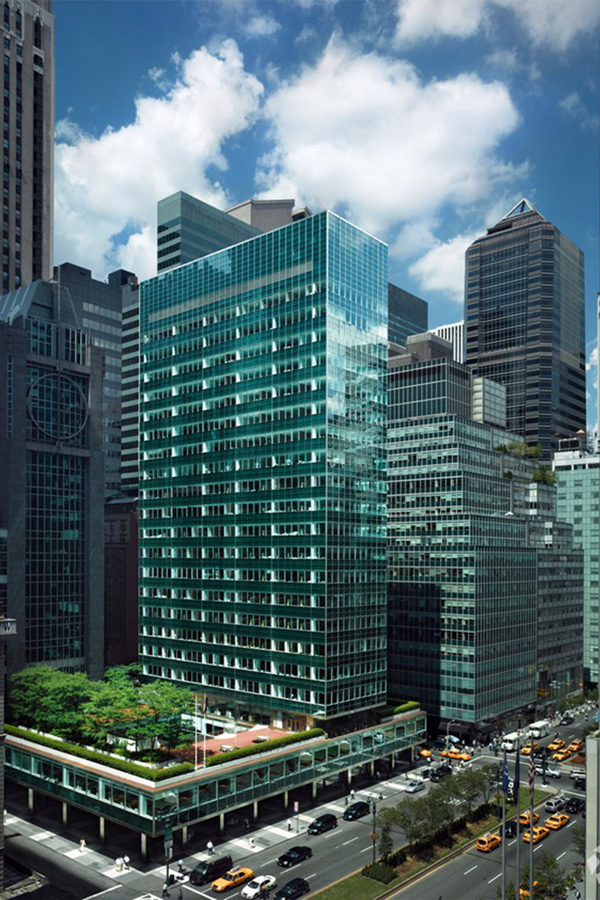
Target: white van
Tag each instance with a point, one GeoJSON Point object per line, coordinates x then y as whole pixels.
{"type": "Point", "coordinates": [510, 742]}
{"type": "Point", "coordinates": [539, 729]}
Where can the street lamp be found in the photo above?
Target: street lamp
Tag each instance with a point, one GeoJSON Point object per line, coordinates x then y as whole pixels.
{"type": "Point", "coordinates": [374, 833]}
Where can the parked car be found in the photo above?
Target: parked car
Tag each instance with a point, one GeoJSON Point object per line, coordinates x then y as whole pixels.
{"type": "Point", "coordinates": [210, 869]}
{"type": "Point", "coordinates": [575, 805]}
{"type": "Point", "coordinates": [356, 811]}
{"type": "Point", "coordinates": [579, 783]}
{"type": "Point", "coordinates": [413, 786]}
{"type": "Point", "coordinates": [233, 878]}
{"type": "Point", "coordinates": [252, 891]}
{"type": "Point", "coordinates": [294, 855]}
{"type": "Point", "coordinates": [554, 805]}
{"type": "Point", "coordinates": [567, 720]}
{"type": "Point", "coordinates": [322, 823]}
{"type": "Point", "coordinates": [297, 887]}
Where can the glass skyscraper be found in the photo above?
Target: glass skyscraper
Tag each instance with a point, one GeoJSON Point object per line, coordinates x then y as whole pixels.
{"type": "Point", "coordinates": [263, 473]}
{"type": "Point", "coordinates": [524, 322]}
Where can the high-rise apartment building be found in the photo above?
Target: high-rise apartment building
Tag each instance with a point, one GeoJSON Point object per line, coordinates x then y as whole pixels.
{"type": "Point", "coordinates": [455, 334]}
{"type": "Point", "coordinates": [263, 470]}
{"type": "Point", "coordinates": [407, 315]}
{"type": "Point", "coordinates": [578, 488]}
{"type": "Point", "coordinates": [524, 315]}
{"type": "Point", "coordinates": [28, 147]}
{"type": "Point", "coordinates": [51, 490]}
{"type": "Point", "coordinates": [485, 606]}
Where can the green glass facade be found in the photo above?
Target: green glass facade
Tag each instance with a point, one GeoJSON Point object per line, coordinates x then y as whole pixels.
{"type": "Point", "coordinates": [263, 473]}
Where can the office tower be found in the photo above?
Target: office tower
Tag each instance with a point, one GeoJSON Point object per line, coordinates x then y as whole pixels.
{"type": "Point", "coordinates": [130, 395]}
{"type": "Point", "coordinates": [51, 491]}
{"type": "Point", "coordinates": [578, 489]}
{"type": "Point", "coordinates": [524, 296]}
{"type": "Point", "coordinates": [120, 581]}
{"type": "Point", "coordinates": [476, 622]}
{"type": "Point", "coordinates": [99, 307]}
{"type": "Point", "coordinates": [28, 129]}
{"type": "Point", "coordinates": [407, 314]}
{"type": "Point", "coordinates": [453, 333]}
{"type": "Point", "coordinates": [266, 215]}
{"type": "Point", "coordinates": [262, 504]}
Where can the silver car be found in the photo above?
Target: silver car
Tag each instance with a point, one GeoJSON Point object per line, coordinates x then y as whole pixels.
{"type": "Point", "coordinates": [413, 786]}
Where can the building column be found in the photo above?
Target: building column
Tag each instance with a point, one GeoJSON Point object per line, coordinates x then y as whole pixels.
{"type": "Point", "coordinates": [221, 823]}
{"type": "Point", "coordinates": [255, 811]}
{"type": "Point", "coordinates": [349, 777]}
{"type": "Point", "coordinates": [286, 799]}
{"type": "Point", "coordinates": [30, 799]}
{"type": "Point", "coordinates": [184, 835]}
{"type": "Point", "coordinates": [314, 789]}
{"type": "Point", "coordinates": [372, 768]}
{"type": "Point", "coordinates": [144, 846]}
{"type": "Point", "coordinates": [102, 828]}
{"type": "Point", "coordinates": [392, 762]}
{"type": "Point", "coordinates": [65, 813]}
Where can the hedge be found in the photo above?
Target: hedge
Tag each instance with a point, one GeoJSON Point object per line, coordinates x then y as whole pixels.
{"type": "Point", "coordinates": [103, 758]}
{"type": "Point", "coordinates": [407, 707]}
{"type": "Point", "coordinates": [264, 746]}
{"type": "Point", "coordinates": [378, 871]}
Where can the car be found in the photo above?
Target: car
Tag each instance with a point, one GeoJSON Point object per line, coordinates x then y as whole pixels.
{"type": "Point", "coordinates": [297, 887]}
{"type": "Point", "coordinates": [542, 753]}
{"type": "Point", "coordinates": [551, 771]}
{"type": "Point", "coordinates": [424, 752]}
{"type": "Point", "coordinates": [577, 772]}
{"type": "Point", "coordinates": [524, 818]}
{"type": "Point", "coordinates": [575, 745]}
{"type": "Point", "coordinates": [356, 811]}
{"type": "Point", "coordinates": [252, 891]}
{"type": "Point", "coordinates": [209, 869]}
{"type": "Point", "coordinates": [233, 878]}
{"type": "Point", "coordinates": [575, 805]}
{"type": "Point", "coordinates": [579, 783]}
{"type": "Point", "coordinates": [413, 786]}
{"type": "Point", "coordinates": [555, 804]}
{"type": "Point", "coordinates": [322, 823]}
{"type": "Point", "coordinates": [455, 753]}
{"type": "Point", "coordinates": [557, 821]}
{"type": "Point", "coordinates": [566, 720]}
{"type": "Point", "coordinates": [561, 755]}
{"type": "Point", "coordinates": [530, 748]}
{"type": "Point", "coordinates": [556, 744]}
{"type": "Point", "coordinates": [535, 835]}
{"type": "Point", "coordinates": [510, 829]}
{"type": "Point", "coordinates": [440, 772]}
{"type": "Point", "coordinates": [294, 855]}
{"type": "Point", "coordinates": [488, 842]}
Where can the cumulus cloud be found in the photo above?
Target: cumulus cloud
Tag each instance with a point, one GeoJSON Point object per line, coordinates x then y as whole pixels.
{"type": "Point", "coordinates": [574, 107]}
{"type": "Point", "coordinates": [107, 187]}
{"type": "Point", "coordinates": [555, 27]}
{"type": "Point", "coordinates": [262, 26]}
{"type": "Point", "coordinates": [364, 135]}
{"type": "Point", "coordinates": [442, 268]}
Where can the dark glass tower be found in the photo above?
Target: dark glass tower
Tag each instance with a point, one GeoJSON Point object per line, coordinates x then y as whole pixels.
{"type": "Point", "coordinates": [524, 322]}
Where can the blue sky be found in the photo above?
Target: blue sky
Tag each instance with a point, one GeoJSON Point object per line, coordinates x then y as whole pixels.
{"type": "Point", "coordinates": [423, 121]}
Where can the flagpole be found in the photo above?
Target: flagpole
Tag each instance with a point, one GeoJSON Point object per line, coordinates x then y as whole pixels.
{"type": "Point", "coordinates": [504, 793]}
{"type": "Point", "coordinates": [531, 792]}
{"type": "Point", "coordinates": [517, 793]}
{"type": "Point", "coordinates": [204, 709]}
{"type": "Point", "coordinates": [196, 734]}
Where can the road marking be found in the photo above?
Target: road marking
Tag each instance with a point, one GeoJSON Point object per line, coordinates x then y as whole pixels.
{"type": "Point", "coordinates": [314, 875]}
{"type": "Point", "coordinates": [472, 869]}
{"type": "Point", "coordinates": [188, 887]}
{"type": "Point", "coordinates": [365, 850]}
{"type": "Point", "coordinates": [561, 855]}
{"type": "Point", "coordinates": [535, 849]}
{"type": "Point", "coordinates": [499, 875]}
{"type": "Point", "coordinates": [570, 825]}
{"type": "Point", "coordinates": [513, 842]}
{"type": "Point", "coordinates": [350, 841]}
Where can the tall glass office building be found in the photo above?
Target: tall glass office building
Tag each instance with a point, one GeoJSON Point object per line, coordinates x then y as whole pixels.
{"type": "Point", "coordinates": [263, 473]}
{"type": "Point", "coordinates": [524, 321]}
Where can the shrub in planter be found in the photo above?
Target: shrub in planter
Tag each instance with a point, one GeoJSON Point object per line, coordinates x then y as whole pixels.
{"type": "Point", "coordinates": [378, 871]}
{"type": "Point", "coordinates": [397, 857]}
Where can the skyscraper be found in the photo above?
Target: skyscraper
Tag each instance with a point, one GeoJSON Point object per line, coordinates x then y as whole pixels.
{"type": "Point", "coordinates": [28, 149]}
{"type": "Point", "coordinates": [51, 490]}
{"type": "Point", "coordinates": [524, 299]}
{"type": "Point", "coordinates": [262, 504]}
{"type": "Point", "coordinates": [455, 334]}
{"type": "Point", "coordinates": [407, 315]}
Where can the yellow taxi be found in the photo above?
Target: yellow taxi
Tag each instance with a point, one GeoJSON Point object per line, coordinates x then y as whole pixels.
{"type": "Point", "coordinates": [557, 820]}
{"type": "Point", "coordinates": [457, 754]}
{"type": "Point", "coordinates": [556, 744]}
{"type": "Point", "coordinates": [561, 755]}
{"type": "Point", "coordinates": [575, 745]}
{"type": "Point", "coordinates": [524, 818]}
{"type": "Point", "coordinates": [529, 748]}
{"type": "Point", "coordinates": [524, 893]}
{"type": "Point", "coordinates": [424, 752]}
{"type": "Point", "coordinates": [232, 879]}
{"type": "Point", "coordinates": [488, 842]}
{"type": "Point", "coordinates": [536, 834]}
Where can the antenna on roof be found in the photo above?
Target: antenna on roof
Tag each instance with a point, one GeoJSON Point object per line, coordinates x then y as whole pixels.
{"type": "Point", "coordinates": [522, 207]}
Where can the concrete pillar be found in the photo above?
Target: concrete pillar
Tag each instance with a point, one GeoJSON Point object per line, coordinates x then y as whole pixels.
{"type": "Point", "coordinates": [184, 835]}
{"type": "Point", "coordinates": [349, 776]}
{"type": "Point", "coordinates": [255, 811]}
{"type": "Point", "coordinates": [221, 823]}
{"type": "Point", "coordinates": [102, 828]}
{"type": "Point", "coordinates": [144, 846]}
{"type": "Point", "coordinates": [392, 761]}
{"type": "Point", "coordinates": [65, 813]}
{"type": "Point", "coordinates": [314, 789]}
{"type": "Point", "coordinates": [286, 799]}
{"type": "Point", "coordinates": [30, 798]}
{"type": "Point", "coordinates": [372, 768]}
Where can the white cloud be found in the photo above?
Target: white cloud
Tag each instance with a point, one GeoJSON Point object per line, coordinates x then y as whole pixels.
{"type": "Point", "coordinates": [363, 134]}
{"type": "Point", "coordinates": [262, 26]}
{"type": "Point", "coordinates": [413, 238]}
{"type": "Point", "coordinates": [443, 267]}
{"type": "Point", "coordinates": [109, 186]}
{"type": "Point", "coordinates": [554, 24]}
{"type": "Point", "coordinates": [574, 106]}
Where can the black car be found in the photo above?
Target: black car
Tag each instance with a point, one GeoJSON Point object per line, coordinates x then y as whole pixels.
{"type": "Point", "coordinates": [294, 855]}
{"type": "Point", "coordinates": [579, 783]}
{"type": "Point", "coordinates": [567, 720]}
{"type": "Point", "coordinates": [510, 829]}
{"type": "Point", "coordinates": [210, 869]}
{"type": "Point", "coordinates": [356, 811]}
{"type": "Point", "coordinates": [440, 772]}
{"type": "Point", "coordinates": [575, 805]}
{"type": "Point", "coordinates": [323, 823]}
{"type": "Point", "coordinates": [297, 887]}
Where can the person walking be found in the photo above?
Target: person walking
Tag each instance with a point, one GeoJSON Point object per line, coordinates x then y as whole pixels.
{"type": "Point", "coordinates": [210, 848]}
{"type": "Point", "coordinates": [289, 824]}
{"type": "Point", "coordinates": [82, 845]}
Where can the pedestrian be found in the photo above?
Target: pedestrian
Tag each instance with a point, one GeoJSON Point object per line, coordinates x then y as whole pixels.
{"type": "Point", "coordinates": [125, 862]}
{"type": "Point", "coordinates": [289, 824]}
{"type": "Point", "coordinates": [251, 842]}
{"type": "Point", "coordinates": [180, 894]}
{"type": "Point", "coordinates": [119, 864]}
{"type": "Point", "coordinates": [578, 894]}
{"type": "Point", "coordinates": [352, 794]}
{"type": "Point", "coordinates": [165, 892]}
{"type": "Point", "coordinates": [210, 848]}
{"type": "Point", "coordinates": [82, 845]}
{"type": "Point", "coordinates": [346, 801]}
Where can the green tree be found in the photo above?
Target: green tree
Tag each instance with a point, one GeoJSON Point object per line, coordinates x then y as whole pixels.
{"type": "Point", "coordinates": [411, 817]}
{"type": "Point", "coordinates": [491, 772]}
{"type": "Point", "coordinates": [470, 786]}
{"type": "Point", "coordinates": [111, 708]}
{"type": "Point", "coordinates": [165, 703]}
{"type": "Point", "coordinates": [49, 700]}
{"type": "Point", "coordinates": [385, 844]}
{"type": "Point", "coordinates": [552, 880]}
{"type": "Point", "coordinates": [578, 838]}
